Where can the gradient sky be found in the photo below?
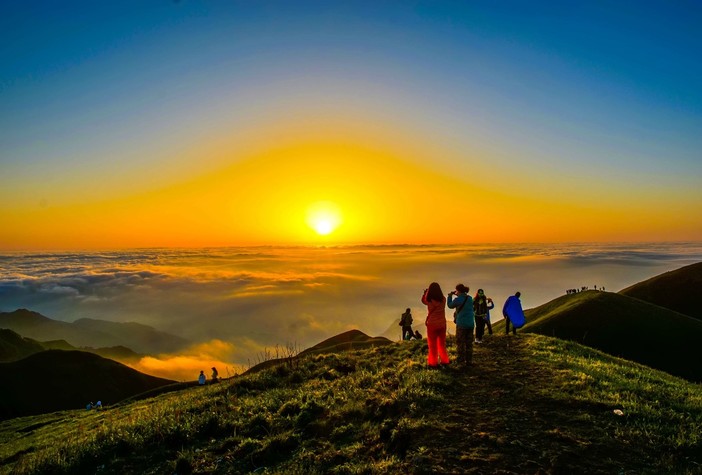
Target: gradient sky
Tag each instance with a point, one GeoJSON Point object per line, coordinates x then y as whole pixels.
{"type": "Point", "coordinates": [194, 123]}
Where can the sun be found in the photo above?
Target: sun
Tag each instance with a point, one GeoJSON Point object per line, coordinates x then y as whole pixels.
{"type": "Point", "coordinates": [323, 217]}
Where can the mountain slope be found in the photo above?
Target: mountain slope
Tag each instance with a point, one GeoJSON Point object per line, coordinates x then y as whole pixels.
{"type": "Point", "coordinates": [677, 290]}
{"type": "Point", "coordinates": [349, 340]}
{"type": "Point", "coordinates": [134, 335]}
{"type": "Point", "coordinates": [54, 379]}
{"type": "Point", "coordinates": [531, 404]}
{"type": "Point", "coordinates": [91, 333]}
{"type": "Point", "coordinates": [626, 327]}
{"type": "Point", "coordinates": [14, 347]}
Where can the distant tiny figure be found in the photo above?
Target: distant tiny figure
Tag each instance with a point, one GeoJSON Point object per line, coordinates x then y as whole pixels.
{"type": "Point", "coordinates": [512, 311]}
{"type": "Point", "coordinates": [417, 335]}
{"type": "Point", "coordinates": [481, 309]}
{"type": "Point", "coordinates": [202, 378]}
{"type": "Point", "coordinates": [465, 323]}
{"type": "Point", "coordinates": [98, 405]}
{"type": "Point", "coordinates": [435, 301]}
{"type": "Point", "coordinates": [89, 406]}
{"type": "Point", "coordinates": [406, 324]}
{"type": "Point", "coordinates": [215, 375]}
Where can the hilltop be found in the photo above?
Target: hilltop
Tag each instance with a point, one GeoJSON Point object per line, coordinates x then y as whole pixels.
{"type": "Point", "coordinates": [531, 404]}
{"type": "Point", "coordinates": [349, 340]}
{"type": "Point", "coordinates": [87, 332]}
{"type": "Point", "coordinates": [678, 290]}
{"type": "Point", "coordinates": [53, 380]}
{"type": "Point", "coordinates": [623, 326]}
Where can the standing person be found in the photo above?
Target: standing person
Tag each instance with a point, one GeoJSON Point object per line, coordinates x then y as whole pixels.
{"type": "Point", "coordinates": [202, 378]}
{"type": "Point", "coordinates": [406, 323]}
{"type": "Point", "coordinates": [465, 322]}
{"type": "Point", "coordinates": [435, 301]}
{"type": "Point", "coordinates": [480, 307]}
{"type": "Point", "coordinates": [512, 300]}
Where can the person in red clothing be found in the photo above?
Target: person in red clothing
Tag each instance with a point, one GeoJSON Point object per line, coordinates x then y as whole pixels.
{"type": "Point", "coordinates": [435, 301]}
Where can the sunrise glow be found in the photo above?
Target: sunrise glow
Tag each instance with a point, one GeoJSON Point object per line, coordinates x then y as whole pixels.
{"type": "Point", "coordinates": [324, 217]}
{"type": "Point", "coordinates": [420, 132]}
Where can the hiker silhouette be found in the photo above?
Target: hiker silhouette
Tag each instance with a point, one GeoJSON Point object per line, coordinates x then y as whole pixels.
{"type": "Point", "coordinates": [406, 324]}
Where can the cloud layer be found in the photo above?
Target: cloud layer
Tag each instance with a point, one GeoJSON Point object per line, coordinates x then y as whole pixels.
{"type": "Point", "coordinates": [238, 301]}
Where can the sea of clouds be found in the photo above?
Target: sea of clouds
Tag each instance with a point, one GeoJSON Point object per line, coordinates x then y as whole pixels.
{"type": "Point", "coordinates": [233, 303]}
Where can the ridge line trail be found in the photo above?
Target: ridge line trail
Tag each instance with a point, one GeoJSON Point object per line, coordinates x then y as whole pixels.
{"type": "Point", "coordinates": [504, 417]}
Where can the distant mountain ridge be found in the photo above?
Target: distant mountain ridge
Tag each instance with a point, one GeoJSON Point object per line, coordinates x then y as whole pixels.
{"type": "Point", "coordinates": [14, 346]}
{"type": "Point", "coordinates": [87, 332]}
{"type": "Point", "coordinates": [54, 380]}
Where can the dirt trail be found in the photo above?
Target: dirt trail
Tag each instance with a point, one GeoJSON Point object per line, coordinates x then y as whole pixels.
{"type": "Point", "coordinates": [502, 420]}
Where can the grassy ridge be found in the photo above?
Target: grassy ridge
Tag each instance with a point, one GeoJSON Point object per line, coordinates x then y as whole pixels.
{"type": "Point", "coordinates": [531, 404]}
{"type": "Point", "coordinates": [623, 326]}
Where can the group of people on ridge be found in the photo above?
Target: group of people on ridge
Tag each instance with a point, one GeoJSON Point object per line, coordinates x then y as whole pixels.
{"type": "Point", "coordinates": [471, 314]}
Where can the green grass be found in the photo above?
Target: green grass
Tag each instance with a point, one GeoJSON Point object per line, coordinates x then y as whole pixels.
{"type": "Point", "coordinates": [531, 404]}
{"type": "Point", "coordinates": [622, 326]}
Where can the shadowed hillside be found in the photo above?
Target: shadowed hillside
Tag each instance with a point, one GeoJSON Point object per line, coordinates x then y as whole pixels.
{"type": "Point", "coordinates": [53, 380]}
{"type": "Point", "coordinates": [677, 290]}
{"type": "Point", "coordinates": [531, 404]}
{"type": "Point", "coordinates": [91, 333]}
{"type": "Point", "coordinates": [623, 326]}
{"type": "Point", "coordinates": [120, 353]}
{"type": "Point", "coordinates": [15, 347]}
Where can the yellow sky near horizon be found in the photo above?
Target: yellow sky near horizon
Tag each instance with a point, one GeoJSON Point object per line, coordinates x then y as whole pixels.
{"type": "Point", "coordinates": [383, 193]}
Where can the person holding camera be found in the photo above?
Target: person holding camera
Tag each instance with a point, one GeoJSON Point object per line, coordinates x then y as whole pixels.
{"type": "Point", "coordinates": [465, 323]}
{"type": "Point", "coordinates": [435, 301]}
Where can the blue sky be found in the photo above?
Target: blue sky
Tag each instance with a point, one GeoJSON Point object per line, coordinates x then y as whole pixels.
{"type": "Point", "coordinates": [588, 92]}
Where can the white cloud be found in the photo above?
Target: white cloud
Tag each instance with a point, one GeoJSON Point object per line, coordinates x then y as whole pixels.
{"type": "Point", "coordinates": [258, 297]}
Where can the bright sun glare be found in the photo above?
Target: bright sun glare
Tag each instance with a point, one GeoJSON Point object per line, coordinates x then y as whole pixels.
{"type": "Point", "coordinates": [324, 217]}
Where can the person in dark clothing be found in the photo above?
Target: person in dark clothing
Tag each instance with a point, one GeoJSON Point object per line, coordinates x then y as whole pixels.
{"type": "Point", "coordinates": [406, 323]}
{"type": "Point", "coordinates": [481, 307]}
{"type": "Point", "coordinates": [215, 375]}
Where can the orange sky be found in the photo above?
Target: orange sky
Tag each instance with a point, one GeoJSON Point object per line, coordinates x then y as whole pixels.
{"type": "Point", "coordinates": [383, 193]}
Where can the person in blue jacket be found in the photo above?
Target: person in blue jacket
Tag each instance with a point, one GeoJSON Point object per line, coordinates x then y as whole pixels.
{"type": "Point", "coordinates": [465, 324]}
{"type": "Point", "coordinates": [512, 299]}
